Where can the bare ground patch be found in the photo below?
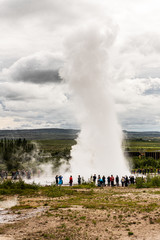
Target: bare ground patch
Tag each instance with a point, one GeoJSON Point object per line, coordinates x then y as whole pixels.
{"type": "Point", "coordinates": [118, 213]}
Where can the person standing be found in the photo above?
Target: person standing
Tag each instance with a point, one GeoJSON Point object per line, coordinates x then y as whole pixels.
{"type": "Point", "coordinates": [108, 181]}
{"type": "Point", "coordinates": [98, 181]}
{"type": "Point", "coordinates": [70, 181]}
{"type": "Point", "coordinates": [123, 181]}
{"type": "Point", "coordinates": [60, 180]}
{"type": "Point", "coordinates": [79, 179]}
{"type": "Point", "coordinates": [112, 181]}
{"type": "Point", "coordinates": [117, 181]}
{"type": "Point", "coordinates": [126, 181]}
{"type": "Point", "coordinates": [91, 179]}
{"type": "Point", "coordinates": [104, 181]}
{"type": "Point", "coordinates": [101, 182]}
{"type": "Point", "coordinates": [56, 177]}
{"type": "Point", "coordinates": [94, 179]}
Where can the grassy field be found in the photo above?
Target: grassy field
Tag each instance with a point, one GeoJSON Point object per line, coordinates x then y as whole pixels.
{"type": "Point", "coordinates": [49, 145]}
{"type": "Point", "coordinates": [137, 145]}
{"type": "Point", "coordinates": [133, 145]}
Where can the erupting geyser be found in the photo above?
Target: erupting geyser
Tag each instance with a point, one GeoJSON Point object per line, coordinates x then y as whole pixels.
{"type": "Point", "coordinates": [87, 71]}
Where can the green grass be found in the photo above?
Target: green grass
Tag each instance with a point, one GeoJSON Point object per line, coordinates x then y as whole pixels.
{"type": "Point", "coordinates": [130, 233]}
{"type": "Point", "coordinates": [48, 236]}
{"type": "Point", "coordinates": [58, 191]}
{"type": "Point", "coordinates": [21, 207]}
{"type": "Point", "coordinates": [84, 186]}
{"type": "Point", "coordinates": [149, 182]}
{"type": "Point", "coordinates": [157, 192]}
{"type": "Point", "coordinates": [48, 145]}
{"type": "Point", "coordinates": [134, 145]}
{"type": "Point", "coordinates": [9, 187]}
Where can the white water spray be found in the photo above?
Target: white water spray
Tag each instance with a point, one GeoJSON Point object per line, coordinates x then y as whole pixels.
{"type": "Point", "coordinates": [87, 71]}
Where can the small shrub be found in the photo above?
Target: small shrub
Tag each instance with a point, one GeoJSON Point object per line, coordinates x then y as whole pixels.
{"type": "Point", "coordinates": [140, 182]}
{"type": "Point", "coordinates": [155, 181]}
{"type": "Point", "coordinates": [151, 221]}
{"type": "Point", "coordinates": [130, 233]}
{"type": "Point", "coordinates": [149, 182]}
{"type": "Point", "coordinates": [158, 220]}
{"type": "Point", "coordinates": [94, 222]}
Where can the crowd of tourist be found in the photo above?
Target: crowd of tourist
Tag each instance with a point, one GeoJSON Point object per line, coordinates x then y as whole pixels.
{"type": "Point", "coordinates": [99, 181]}
{"type": "Point", "coordinates": [18, 174]}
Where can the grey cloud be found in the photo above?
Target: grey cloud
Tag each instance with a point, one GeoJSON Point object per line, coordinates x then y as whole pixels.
{"type": "Point", "coordinates": [32, 100]}
{"type": "Point", "coordinates": [15, 96]}
{"type": "Point", "coordinates": [38, 69]}
{"type": "Point", "coordinates": [9, 92]}
{"type": "Point", "coordinates": [38, 76]}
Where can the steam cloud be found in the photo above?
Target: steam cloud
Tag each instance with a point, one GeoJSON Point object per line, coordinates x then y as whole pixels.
{"type": "Point", "coordinates": [87, 71]}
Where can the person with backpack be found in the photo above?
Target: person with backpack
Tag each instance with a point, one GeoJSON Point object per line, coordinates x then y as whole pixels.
{"type": "Point", "coordinates": [123, 181]}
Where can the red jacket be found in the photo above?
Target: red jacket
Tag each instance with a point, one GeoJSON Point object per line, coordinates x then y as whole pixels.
{"type": "Point", "coordinates": [112, 179]}
{"type": "Point", "coordinates": [70, 179]}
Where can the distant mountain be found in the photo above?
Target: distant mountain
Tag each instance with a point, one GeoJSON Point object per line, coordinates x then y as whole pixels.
{"type": "Point", "coordinates": [58, 133]}
{"type": "Point", "coordinates": [39, 134]}
{"type": "Point", "coordinates": [142, 135]}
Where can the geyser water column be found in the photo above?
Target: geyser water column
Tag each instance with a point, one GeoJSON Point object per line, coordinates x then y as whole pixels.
{"type": "Point", "coordinates": [87, 71]}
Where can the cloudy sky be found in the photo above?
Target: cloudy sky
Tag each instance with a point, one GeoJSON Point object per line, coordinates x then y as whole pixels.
{"type": "Point", "coordinates": [33, 33]}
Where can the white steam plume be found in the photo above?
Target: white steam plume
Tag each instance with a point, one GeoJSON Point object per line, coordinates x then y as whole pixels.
{"type": "Point", "coordinates": [88, 73]}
